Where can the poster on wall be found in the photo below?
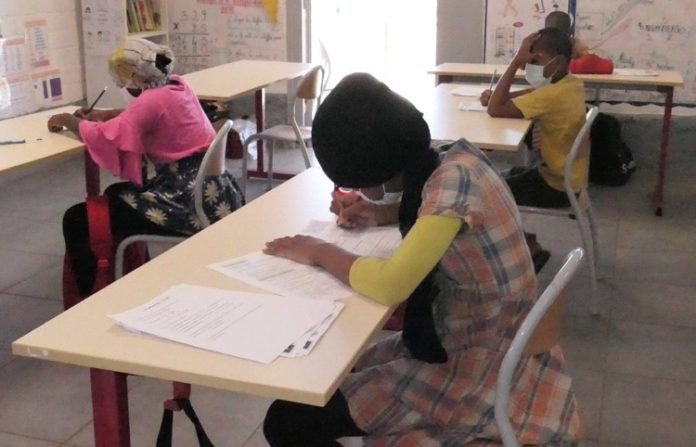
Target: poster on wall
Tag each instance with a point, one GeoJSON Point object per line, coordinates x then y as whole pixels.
{"type": "Point", "coordinates": [36, 31]}
{"type": "Point", "coordinates": [103, 23]}
{"type": "Point", "coordinates": [16, 88]}
{"type": "Point", "coordinates": [510, 21]}
{"type": "Point", "coordinates": [642, 34]}
{"type": "Point", "coordinates": [205, 33]}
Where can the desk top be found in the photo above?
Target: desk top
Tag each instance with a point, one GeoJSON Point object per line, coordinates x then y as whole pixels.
{"type": "Point", "coordinates": [663, 79]}
{"type": "Point", "coordinates": [31, 127]}
{"type": "Point", "coordinates": [228, 81]}
{"type": "Point", "coordinates": [84, 335]}
{"type": "Point", "coordinates": [447, 122]}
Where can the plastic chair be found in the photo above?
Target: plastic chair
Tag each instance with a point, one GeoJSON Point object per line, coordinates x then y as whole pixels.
{"type": "Point", "coordinates": [580, 207]}
{"type": "Point", "coordinates": [308, 90]}
{"type": "Point", "coordinates": [538, 332]}
{"type": "Point", "coordinates": [213, 163]}
{"type": "Point", "coordinates": [326, 63]}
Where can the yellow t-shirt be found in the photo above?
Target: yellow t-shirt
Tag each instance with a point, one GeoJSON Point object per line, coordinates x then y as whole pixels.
{"type": "Point", "coordinates": [559, 111]}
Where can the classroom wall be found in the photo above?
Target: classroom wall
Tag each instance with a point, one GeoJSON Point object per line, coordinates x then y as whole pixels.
{"type": "Point", "coordinates": [460, 26]}
{"type": "Point", "coordinates": [63, 35]}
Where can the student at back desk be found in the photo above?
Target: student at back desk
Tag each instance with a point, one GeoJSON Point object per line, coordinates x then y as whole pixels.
{"type": "Point", "coordinates": [556, 103]}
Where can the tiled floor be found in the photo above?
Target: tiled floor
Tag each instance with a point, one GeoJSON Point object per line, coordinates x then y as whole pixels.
{"type": "Point", "coordinates": [634, 368]}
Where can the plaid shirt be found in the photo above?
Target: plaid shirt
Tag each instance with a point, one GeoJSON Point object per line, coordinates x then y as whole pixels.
{"type": "Point", "coordinates": [487, 286]}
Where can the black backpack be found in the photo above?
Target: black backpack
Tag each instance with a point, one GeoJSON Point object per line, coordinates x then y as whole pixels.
{"type": "Point", "coordinates": [611, 161]}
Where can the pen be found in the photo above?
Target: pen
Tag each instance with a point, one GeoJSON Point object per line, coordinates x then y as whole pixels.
{"type": "Point", "coordinates": [96, 100]}
{"type": "Point", "coordinates": [5, 142]}
{"type": "Point", "coordinates": [495, 71]}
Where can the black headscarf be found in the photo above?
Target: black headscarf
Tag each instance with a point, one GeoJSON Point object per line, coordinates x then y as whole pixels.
{"type": "Point", "coordinates": [363, 134]}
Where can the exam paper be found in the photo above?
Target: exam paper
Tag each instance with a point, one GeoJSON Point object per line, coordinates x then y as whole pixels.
{"type": "Point", "coordinates": [634, 72]}
{"type": "Point", "coordinates": [474, 106]}
{"type": "Point", "coordinates": [306, 343]}
{"type": "Point", "coordinates": [252, 326]}
{"type": "Point", "coordinates": [289, 278]}
{"type": "Point", "coordinates": [475, 90]}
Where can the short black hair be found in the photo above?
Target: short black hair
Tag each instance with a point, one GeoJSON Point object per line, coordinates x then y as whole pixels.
{"type": "Point", "coordinates": [555, 42]}
{"type": "Point", "coordinates": [558, 19]}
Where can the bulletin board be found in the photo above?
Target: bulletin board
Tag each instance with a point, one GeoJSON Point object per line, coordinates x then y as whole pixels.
{"type": "Point", "coordinates": [205, 33]}
{"type": "Point", "coordinates": [647, 34]}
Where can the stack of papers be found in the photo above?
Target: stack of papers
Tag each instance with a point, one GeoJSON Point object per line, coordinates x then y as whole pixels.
{"type": "Point", "coordinates": [474, 106]}
{"type": "Point", "coordinates": [252, 326]}
{"type": "Point", "coordinates": [289, 278]}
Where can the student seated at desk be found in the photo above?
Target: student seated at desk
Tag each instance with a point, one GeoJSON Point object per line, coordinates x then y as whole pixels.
{"type": "Point", "coordinates": [162, 122]}
{"type": "Point", "coordinates": [465, 271]}
{"type": "Point", "coordinates": [556, 103]}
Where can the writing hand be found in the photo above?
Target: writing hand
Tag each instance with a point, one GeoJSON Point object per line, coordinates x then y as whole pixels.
{"type": "Point", "coordinates": [297, 248]}
{"type": "Point", "coordinates": [57, 122]}
{"type": "Point", "coordinates": [485, 97]}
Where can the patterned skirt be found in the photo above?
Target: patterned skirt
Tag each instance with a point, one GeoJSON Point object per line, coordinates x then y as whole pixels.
{"type": "Point", "coordinates": [167, 199]}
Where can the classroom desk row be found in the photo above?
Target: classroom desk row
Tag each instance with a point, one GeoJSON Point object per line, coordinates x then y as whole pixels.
{"type": "Point", "coordinates": [664, 82]}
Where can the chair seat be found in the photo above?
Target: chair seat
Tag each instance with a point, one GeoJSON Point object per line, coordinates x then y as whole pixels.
{"type": "Point", "coordinates": [284, 132]}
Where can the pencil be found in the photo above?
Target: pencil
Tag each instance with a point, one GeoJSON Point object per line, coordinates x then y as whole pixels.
{"type": "Point", "coordinates": [96, 100]}
{"type": "Point", "coordinates": [495, 72]}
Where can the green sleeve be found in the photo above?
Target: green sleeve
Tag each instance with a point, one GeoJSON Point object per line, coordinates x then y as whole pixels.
{"type": "Point", "coordinates": [391, 281]}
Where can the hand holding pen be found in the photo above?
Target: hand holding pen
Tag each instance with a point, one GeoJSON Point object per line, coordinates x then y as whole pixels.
{"type": "Point", "coordinates": [486, 94]}
{"type": "Point", "coordinates": [85, 113]}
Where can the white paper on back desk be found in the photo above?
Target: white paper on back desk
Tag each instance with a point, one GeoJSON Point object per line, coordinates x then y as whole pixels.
{"type": "Point", "coordinates": [253, 326]}
{"type": "Point", "coordinates": [289, 278]}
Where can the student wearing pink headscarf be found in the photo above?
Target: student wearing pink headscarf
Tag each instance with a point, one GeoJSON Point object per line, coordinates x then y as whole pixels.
{"type": "Point", "coordinates": [164, 123]}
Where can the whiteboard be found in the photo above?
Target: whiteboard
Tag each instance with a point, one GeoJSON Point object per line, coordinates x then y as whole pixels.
{"type": "Point", "coordinates": [207, 33]}
{"type": "Point", "coordinates": [510, 21]}
{"type": "Point", "coordinates": [647, 34]}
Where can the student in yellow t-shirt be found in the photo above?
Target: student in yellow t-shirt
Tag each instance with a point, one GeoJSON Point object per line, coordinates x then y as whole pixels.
{"type": "Point", "coordinates": [556, 103]}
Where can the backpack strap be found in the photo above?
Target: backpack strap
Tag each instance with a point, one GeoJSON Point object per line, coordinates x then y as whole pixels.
{"type": "Point", "coordinates": [164, 437]}
{"type": "Point", "coordinates": [100, 239]}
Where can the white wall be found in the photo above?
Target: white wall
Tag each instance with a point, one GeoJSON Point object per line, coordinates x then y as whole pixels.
{"type": "Point", "coordinates": [63, 35]}
{"type": "Point", "coordinates": [460, 26]}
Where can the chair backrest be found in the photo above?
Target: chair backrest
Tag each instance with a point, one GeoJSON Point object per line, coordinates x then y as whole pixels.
{"type": "Point", "coordinates": [534, 328]}
{"type": "Point", "coordinates": [311, 83]}
{"type": "Point", "coordinates": [213, 163]}
{"type": "Point", "coordinates": [579, 150]}
{"type": "Point", "coordinates": [326, 63]}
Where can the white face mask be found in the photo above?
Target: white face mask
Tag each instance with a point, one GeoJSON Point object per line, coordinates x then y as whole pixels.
{"type": "Point", "coordinates": [387, 198]}
{"type": "Point", "coordinates": [534, 74]}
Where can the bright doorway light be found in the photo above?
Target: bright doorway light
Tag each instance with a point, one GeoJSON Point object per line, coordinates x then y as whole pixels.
{"type": "Point", "coordinates": [394, 40]}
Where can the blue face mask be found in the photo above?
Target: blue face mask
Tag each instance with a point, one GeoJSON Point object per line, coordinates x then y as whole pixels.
{"type": "Point", "coordinates": [534, 74]}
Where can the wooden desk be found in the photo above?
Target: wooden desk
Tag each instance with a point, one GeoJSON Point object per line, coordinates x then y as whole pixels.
{"type": "Point", "coordinates": [664, 83]}
{"type": "Point", "coordinates": [226, 82]}
{"type": "Point", "coordinates": [447, 122]}
{"type": "Point", "coordinates": [41, 145]}
{"type": "Point", "coordinates": [84, 336]}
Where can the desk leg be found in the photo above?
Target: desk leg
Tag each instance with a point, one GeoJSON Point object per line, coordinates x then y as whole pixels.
{"type": "Point", "coordinates": [664, 147]}
{"type": "Point", "coordinates": [110, 408]}
{"type": "Point", "coordinates": [443, 79]}
{"type": "Point", "coordinates": [91, 176]}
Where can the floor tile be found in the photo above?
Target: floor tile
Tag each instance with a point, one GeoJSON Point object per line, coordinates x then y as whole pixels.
{"type": "Point", "coordinates": [12, 440]}
{"type": "Point", "coordinates": [644, 412]}
{"type": "Point", "coordinates": [653, 235]}
{"type": "Point", "coordinates": [47, 283]}
{"type": "Point", "coordinates": [654, 303]}
{"type": "Point", "coordinates": [228, 418]}
{"type": "Point", "coordinates": [588, 387]}
{"type": "Point", "coordinates": [21, 314]}
{"type": "Point", "coordinates": [584, 341]}
{"type": "Point", "coordinates": [37, 237]}
{"type": "Point", "coordinates": [18, 266]}
{"type": "Point", "coordinates": [44, 400]}
{"type": "Point", "coordinates": [668, 267]}
{"type": "Point", "coordinates": [667, 352]}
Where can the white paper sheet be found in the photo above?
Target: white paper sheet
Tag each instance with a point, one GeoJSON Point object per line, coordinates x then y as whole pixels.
{"type": "Point", "coordinates": [475, 90]}
{"type": "Point", "coordinates": [252, 326]}
{"type": "Point", "coordinates": [288, 278]}
{"type": "Point", "coordinates": [309, 340]}
{"type": "Point", "coordinates": [634, 72]}
{"type": "Point", "coordinates": [473, 106]}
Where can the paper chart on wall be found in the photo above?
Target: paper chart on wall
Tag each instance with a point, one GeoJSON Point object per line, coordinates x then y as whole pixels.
{"type": "Point", "coordinates": [16, 88]}
{"type": "Point", "coordinates": [36, 31]}
{"type": "Point", "coordinates": [103, 23]}
{"type": "Point", "coordinates": [206, 33]}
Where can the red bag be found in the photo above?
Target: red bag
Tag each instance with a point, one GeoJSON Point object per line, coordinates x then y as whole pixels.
{"type": "Point", "coordinates": [591, 64]}
{"type": "Point", "coordinates": [104, 247]}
